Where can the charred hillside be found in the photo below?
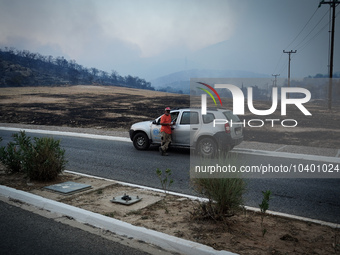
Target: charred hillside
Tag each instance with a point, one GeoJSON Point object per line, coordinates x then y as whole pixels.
{"type": "Point", "coordinates": [19, 68]}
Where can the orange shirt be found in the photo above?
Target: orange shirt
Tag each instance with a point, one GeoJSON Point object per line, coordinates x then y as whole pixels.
{"type": "Point", "coordinates": [166, 119]}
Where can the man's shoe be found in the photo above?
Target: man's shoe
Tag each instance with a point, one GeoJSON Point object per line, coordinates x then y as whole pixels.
{"type": "Point", "coordinates": [161, 151]}
{"type": "Point", "coordinates": [165, 154]}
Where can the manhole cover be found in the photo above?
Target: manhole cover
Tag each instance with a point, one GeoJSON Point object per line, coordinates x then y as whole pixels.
{"type": "Point", "coordinates": [126, 199]}
{"type": "Point", "coordinates": [68, 188]}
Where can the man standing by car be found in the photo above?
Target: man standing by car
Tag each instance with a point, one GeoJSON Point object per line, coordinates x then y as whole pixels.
{"type": "Point", "coordinates": [165, 132]}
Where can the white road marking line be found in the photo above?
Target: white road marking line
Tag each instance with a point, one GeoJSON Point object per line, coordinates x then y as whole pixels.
{"type": "Point", "coordinates": [73, 134]}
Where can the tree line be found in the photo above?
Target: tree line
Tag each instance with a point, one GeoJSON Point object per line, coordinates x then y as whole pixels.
{"type": "Point", "coordinates": [25, 68]}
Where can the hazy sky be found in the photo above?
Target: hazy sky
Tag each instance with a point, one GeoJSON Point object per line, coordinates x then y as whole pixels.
{"type": "Point", "coordinates": [151, 38]}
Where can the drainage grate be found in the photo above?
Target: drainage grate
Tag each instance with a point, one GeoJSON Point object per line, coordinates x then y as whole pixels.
{"type": "Point", "coordinates": [126, 199]}
{"type": "Point", "coordinates": [68, 188]}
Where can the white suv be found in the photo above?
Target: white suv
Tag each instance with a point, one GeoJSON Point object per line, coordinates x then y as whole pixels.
{"type": "Point", "coordinates": [218, 130]}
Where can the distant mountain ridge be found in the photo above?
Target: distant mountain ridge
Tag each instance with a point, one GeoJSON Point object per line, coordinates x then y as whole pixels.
{"type": "Point", "coordinates": [25, 68]}
{"type": "Point", "coordinates": [180, 81]}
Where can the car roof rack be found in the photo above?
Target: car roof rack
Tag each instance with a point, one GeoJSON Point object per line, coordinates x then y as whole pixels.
{"type": "Point", "coordinates": [209, 108]}
{"type": "Point", "coordinates": [196, 107]}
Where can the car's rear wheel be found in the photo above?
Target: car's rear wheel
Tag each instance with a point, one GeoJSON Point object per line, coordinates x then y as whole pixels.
{"type": "Point", "coordinates": [141, 141]}
{"type": "Point", "coordinates": [207, 147]}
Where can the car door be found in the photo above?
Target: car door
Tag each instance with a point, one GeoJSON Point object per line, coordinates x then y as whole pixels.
{"type": "Point", "coordinates": [155, 130]}
{"type": "Point", "coordinates": [155, 127]}
{"type": "Point", "coordinates": [186, 127]}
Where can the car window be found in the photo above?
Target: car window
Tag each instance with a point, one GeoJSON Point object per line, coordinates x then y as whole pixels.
{"type": "Point", "coordinates": [189, 118]}
{"type": "Point", "coordinates": [230, 116]}
{"type": "Point", "coordinates": [174, 116]}
{"type": "Point", "coordinates": [209, 117]}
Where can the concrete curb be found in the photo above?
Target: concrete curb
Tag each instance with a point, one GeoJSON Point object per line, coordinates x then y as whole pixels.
{"type": "Point", "coordinates": [167, 242]}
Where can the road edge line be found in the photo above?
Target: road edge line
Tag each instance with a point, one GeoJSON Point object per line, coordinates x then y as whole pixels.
{"type": "Point", "coordinates": [72, 134]}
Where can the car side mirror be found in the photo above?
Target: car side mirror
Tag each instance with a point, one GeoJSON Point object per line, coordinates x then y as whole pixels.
{"type": "Point", "coordinates": [155, 122]}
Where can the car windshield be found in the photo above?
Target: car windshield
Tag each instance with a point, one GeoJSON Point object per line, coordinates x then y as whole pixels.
{"type": "Point", "coordinates": [230, 116]}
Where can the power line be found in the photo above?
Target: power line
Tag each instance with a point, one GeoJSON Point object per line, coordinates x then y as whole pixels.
{"type": "Point", "coordinates": [303, 28]}
{"type": "Point", "coordinates": [301, 48]}
{"type": "Point", "coordinates": [278, 63]}
{"type": "Point", "coordinates": [305, 41]}
{"type": "Point", "coordinates": [312, 30]}
{"type": "Point", "coordinates": [318, 33]}
{"type": "Point", "coordinates": [283, 67]}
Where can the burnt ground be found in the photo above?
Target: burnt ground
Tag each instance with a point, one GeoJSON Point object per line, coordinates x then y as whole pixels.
{"type": "Point", "coordinates": [112, 108]}
{"type": "Point", "coordinates": [321, 129]}
{"type": "Point", "coordinates": [87, 111]}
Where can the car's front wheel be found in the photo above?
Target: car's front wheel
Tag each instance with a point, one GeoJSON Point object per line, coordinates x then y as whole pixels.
{"type": "Point", "coordinates": [141, 141]}
{"type": "Point", "coordinates": [207, 147]}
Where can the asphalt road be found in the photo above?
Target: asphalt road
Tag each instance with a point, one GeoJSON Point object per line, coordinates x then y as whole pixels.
{"type": "Point", "coordinates": [312, 198]}
{"type": "Point", "coordinates": [29, 233]}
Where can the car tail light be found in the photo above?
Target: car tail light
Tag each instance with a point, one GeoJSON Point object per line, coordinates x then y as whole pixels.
{"type": "Point", "coordinates": [227, 127]}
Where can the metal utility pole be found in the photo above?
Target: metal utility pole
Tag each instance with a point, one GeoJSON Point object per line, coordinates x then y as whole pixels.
{"type": "Point", "coordinates": [275, 82]}
{"type": "Point", "coordinates": [289, 53]}
{"type": "Point", "coordinates": [333, 4]}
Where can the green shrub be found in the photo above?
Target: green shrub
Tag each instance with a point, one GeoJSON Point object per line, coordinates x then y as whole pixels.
{"type": "Point", "coordinates": [45, 161]}
{"type": "Point", "coordinates": [225, 196]}
{"type": "Point", "coordinates": [14, 153]}
{"type": "Point", "coordinates": [166, 180]}
{"type": "Point", "coordinates": [10, 158]}
{"type": "Point", "coordinates": [42, 160]}
{"type": "Point", "coordinates": [264, 206]}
